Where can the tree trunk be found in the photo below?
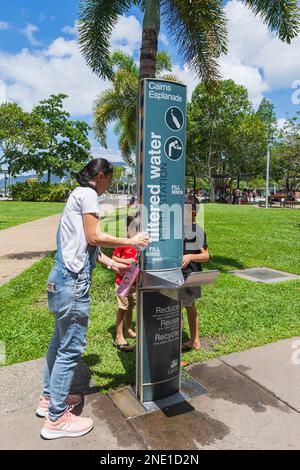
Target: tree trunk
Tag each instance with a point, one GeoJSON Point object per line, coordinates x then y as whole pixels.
{"type": "Point", "coordinates": [151, 27]}
{"type": "Point", "coordinates": [49, 176]}
{"type": "Point", "coordinates": [148, 54]}
{"type": "Point", "coordinates": [212, 196]}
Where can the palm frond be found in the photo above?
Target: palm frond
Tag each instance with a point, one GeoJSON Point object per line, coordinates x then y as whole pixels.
{"type": "Point", "coordinates": [199, 30]}
{"type": "Point", "coordinates": [106, 109]}
{"type": "Point", "coordinates": [126, 150]}
{"type": "Point", "coordinates": [163, 62]}
{"type": "Point", "coordinates": [169, 78]}
{"type": "Point", "coordinates": [123, 61]}
{"type": "Point", "coordinates": [96, 21]}
{"type": "Point", "coordinates": [281, 16]}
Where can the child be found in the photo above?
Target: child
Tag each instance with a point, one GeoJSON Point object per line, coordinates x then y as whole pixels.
{"type": "Point", "coordinates": [195, 252]}
{"type": "Point", "coordinates": [126, 255]}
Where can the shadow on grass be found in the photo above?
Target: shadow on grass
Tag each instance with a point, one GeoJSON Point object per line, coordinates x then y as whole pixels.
{"type": "Point", "coordinates": [28, 255]}
{"type": "Point", "coordinates": [224, 264]}
{"type": "Point", "coordinates": [83, 375]}
{"type": "Point", "coordinates": [112, 380]}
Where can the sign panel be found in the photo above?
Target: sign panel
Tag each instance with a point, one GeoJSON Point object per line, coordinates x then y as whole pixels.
{"type": "Point", "coordinates": [162, 171]}
{"type": "Point", "coordinates": [161, 345]}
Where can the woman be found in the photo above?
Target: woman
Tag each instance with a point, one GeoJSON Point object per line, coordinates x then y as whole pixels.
{"type": "Point", "coordinates": [78, 240]}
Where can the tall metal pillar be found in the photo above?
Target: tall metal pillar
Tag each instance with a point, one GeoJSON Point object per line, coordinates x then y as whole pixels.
{"type": "Point", "coordinates": [161, 288]}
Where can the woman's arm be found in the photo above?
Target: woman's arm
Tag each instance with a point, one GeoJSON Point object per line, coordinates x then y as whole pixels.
{"type": "Point", "coordinates": [120, 268]}
{"type": "Point", "coordinates": [95, 237]}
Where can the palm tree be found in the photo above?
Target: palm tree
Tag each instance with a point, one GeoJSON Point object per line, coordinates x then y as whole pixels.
{"type": "Point", "coordinates": [119, 102]}
{"type": "Point", "coordinates": [196, 27]}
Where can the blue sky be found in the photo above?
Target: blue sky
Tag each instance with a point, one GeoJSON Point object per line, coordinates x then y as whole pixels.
{"type": "Point", "coordinates": [39, 56]}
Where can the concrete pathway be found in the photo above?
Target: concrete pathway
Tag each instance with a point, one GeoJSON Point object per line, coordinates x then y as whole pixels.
{"type": "Point", "coordinates": [252, 403]}
{"type": "Point", "coordinates": [23, 245]}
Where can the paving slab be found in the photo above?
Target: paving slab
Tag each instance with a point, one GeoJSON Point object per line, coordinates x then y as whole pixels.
{"type": "Point", "coordinates": [275, 366]}
{"type": "Point", "coordinates": [264, 275]}
{"type": "Point", "coordinates": [21, 384]}
{"type": "Point", "coordinates": [235, 414]}
{"type": "Point", "coordinates": [238, 412]}
{"type": "Point", "coordinates": [21, 429]}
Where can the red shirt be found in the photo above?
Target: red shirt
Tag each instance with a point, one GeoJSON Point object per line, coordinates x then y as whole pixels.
{"type": "Point", "coordinates": [125, 252]}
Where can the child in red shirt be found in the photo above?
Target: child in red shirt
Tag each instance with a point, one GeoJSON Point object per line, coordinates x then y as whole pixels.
{"type": "Point", "coordinates": [126, 255]}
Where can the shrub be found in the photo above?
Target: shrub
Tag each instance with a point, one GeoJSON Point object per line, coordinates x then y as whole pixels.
{"type": "Point", "coordinates": [33, 190]}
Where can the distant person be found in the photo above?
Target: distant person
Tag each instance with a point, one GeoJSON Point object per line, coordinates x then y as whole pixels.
{"type": "Point", "coordinates": [236, 196]}
{"type": "Point", "coordinates": [245, 196]}
{"type": "Point", "coordinates": [132, 201]}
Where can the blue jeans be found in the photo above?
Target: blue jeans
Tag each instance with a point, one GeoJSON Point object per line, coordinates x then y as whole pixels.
{"type": "Point", "coordinates": [69, 300]}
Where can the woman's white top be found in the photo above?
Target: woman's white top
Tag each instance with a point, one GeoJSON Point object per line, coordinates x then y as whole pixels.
{"type": "Point", "coordinates": [73, 240]}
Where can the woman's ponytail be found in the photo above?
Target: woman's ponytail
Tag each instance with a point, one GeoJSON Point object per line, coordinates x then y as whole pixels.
{"type": "Point", "coordinates": [92, 169]}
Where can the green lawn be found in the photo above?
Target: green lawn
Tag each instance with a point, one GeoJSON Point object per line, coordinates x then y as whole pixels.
{"type": "Point", "coordinates": [15, 213]}
{"type": "Point", "coordinates": [240, 313]}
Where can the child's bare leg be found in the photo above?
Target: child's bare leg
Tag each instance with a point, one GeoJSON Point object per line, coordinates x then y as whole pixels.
{"type": "Point", "coordinates": [119, 323]}
{"type": "Point", "coordinates": [129, 332]}
{"type": "Point", "coordinates": [194, 342]}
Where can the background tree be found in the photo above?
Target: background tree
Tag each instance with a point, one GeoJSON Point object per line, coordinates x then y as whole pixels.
{"type": "Point", "coordinates": [68, 145]}
{"type": "Point", "coordinates": [118, 178]}
{"type": "Point", "coordinates": [20, 134]}
{"type": "Point", "coordinates": [118, 104]}
{"type": "Point", "coordinates": [216, 120]}
{"type": "Point", "coordinates": [45, 140]}
{"type": "Point", "coordinates": [266, 114]}
{"type": "Point", "coordinates": [247, 147]}
{"type": "Point", "coordinates": [285, 156]}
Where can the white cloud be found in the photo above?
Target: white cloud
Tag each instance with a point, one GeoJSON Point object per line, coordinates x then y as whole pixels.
{"type": "Point", "coordinates": [281, 123]}
{"type": "Point", "coordinates": [187, 77]}
{"type": "Point", "coordinates": [246, 75]}
{"type": "Point", "coordinates": [4, 25]}
{"type": "Point", "coordinates": [127, 34]}
{"type": "Point", "coordinates": [72, 30]}
{"type": "Point", "coordinates": [109, 154]}
{"type": "Point", "coordinates": [257, 58]}
{"type": "Point", "coordinates": [29, 33]}
{"type": "Point", "coordinates": [32, 75]}
{"type": "Point", "coordinates": [2, 92]}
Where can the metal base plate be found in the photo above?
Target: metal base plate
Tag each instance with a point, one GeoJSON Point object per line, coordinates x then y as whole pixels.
{"type": "Point", "coordinates": [190, 388]}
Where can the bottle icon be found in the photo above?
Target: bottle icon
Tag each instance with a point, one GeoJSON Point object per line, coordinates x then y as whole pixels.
{"type": "Point", "coordinates": [175, 120]}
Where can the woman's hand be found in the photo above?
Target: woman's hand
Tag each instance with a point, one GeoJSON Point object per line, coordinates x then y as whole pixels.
{"type": "Point", "coordinates": [140, 239]}
{"type": "Point", "coordinates": [186, 260]}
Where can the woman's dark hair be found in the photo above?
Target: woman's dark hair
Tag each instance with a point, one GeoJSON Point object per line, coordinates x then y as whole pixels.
{"type": "Point", "coordinates": [92, 169]}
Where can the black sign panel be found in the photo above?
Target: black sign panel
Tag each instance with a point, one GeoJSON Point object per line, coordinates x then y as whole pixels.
{"type": "Point", "coordinates": [161, 338]}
